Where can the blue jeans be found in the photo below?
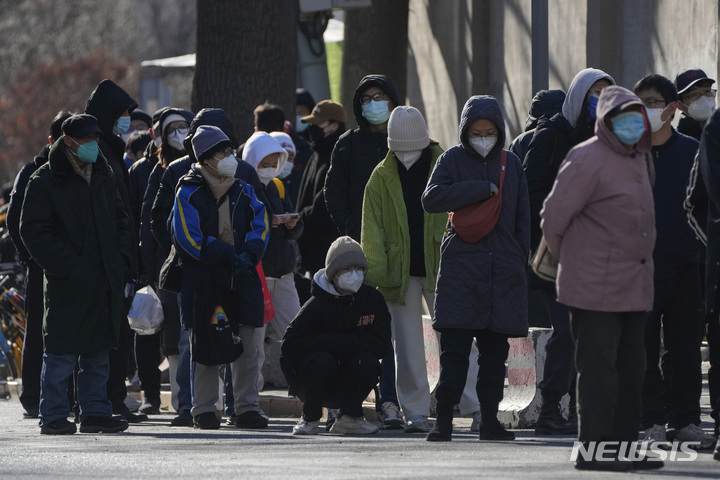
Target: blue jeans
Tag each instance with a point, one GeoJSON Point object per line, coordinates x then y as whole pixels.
{"type": "Point", "coordinates": [92, 378]}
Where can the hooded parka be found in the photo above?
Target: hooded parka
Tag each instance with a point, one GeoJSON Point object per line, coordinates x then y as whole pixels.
{"type": "Point", "coordinates": [599, 219]}
{"type": "Point", "coordinates": [481, 285]}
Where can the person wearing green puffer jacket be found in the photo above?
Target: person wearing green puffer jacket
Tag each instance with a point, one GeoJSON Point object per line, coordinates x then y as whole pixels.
{"type": "Point", "coordinates": [402, 246]}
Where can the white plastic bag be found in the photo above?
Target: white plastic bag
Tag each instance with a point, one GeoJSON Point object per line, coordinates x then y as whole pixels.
{"type": "Point", "coordinates": [146, 313]}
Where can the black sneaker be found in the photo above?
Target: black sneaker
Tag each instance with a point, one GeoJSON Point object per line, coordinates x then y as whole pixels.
{"type": "Point", "coordinates": [130, 417]}
{"type": "Point", "coordinates": [207, 421]}
{"type": "Point", "coordinates": [184, 419]}
{"type": "Point", "coordinates": [91, 424]}
{"type": "Point", "coordinates": [61, 426]}
{"type": "Point", "coordinates": [491, 429]}
{"type": "Point", "coordinates": [251, 420]}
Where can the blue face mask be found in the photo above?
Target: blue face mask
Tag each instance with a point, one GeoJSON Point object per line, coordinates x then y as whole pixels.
{"type": "Point", "coordinates": [87, 152]}
{"type": "Point", "coordinates": [592, 106]}
{"type": "Point", "coordinates": [376, 112]}
{"type": "Point", "coordinates": [287, 170]}
{"type": "Point", "coordinates": [122, 125]}
{"type": "Point", "coordinates": [300, 126]}
{"type": "Point", "coordinates": [629, 127]}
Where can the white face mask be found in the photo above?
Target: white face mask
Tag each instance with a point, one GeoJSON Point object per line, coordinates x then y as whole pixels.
{"type": "Point", "coordinates": [408, 158]}
{"type": "Point", "coordinates": [351, 281]}
{"type": "Point", "coordinates": [702, 108]}
{"type": "Point", "coordinates": [266, 174]}
{"type": "Point", "coordinates": [227, 166]}
{"type": "Point", "coordinates": [176, 138]}
{"type": "Point", "coordinates": [483, 145]}
{"type": "Point", "coordinates": [126, 136]}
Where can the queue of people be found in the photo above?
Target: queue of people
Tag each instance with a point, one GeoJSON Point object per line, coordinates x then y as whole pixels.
{"type": "Point", "coordinates": [341, 241]}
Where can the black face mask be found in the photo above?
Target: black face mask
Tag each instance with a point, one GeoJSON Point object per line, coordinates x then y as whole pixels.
{"type": "Point", "coordinates": [316, 133]}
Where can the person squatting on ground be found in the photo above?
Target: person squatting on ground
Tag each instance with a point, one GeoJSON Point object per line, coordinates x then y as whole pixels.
{"type": "Point", "coordinates": [74, 225]}
{"type": "Point", "coordinates": [217, 219]}
{"type": "Point", "coordinates": [599, 222]}
{"type": "Point", "coordinates": [481, 289]}
{"type": "Point", "coordinates": [402, 245]}
{"type": "Point", "coordinates": [331, 351]}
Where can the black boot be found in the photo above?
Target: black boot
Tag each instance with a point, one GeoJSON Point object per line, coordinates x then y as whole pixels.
{"type": "Point", "coordinates": [442, 430]}
{"type": "Point", "coordinates": [551, 421]}
{"type": "Point", "coordinates": [490, 427]}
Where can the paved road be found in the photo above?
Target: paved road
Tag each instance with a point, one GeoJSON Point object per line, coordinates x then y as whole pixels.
{"type": "Point", "coordinates": [155, 450]}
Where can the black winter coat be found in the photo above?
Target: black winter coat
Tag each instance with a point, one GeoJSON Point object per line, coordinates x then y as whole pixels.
{"type": "Point", "coordinates": [280, 257]}
{"type": "Point", "coordinates": [79, 235]}
{"type": "Point", "coordinates": [354, 158]}
{"type": "Point", "coordinates": [331, 324]}
{"type": "Point", "coordinates": [319, 230]}
{"type": "Point", "coordinates": [481, 285]}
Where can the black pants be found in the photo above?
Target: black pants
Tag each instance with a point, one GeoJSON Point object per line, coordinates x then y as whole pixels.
{"type": "Point", "coordinates": [610, 359]}
{"type": "Point", "coordinates": [674, 398]}
{"type": "Point", "coordinates": [344, 385]}
{"type": "Point", "coordinates": [116, 388]}
{"type": "Point", "coordinates": [32, 353]}
{"type": "Point", "coordinates": [713, 338]}
{"type": "Point", "coordinates": [560, 374]}
{"type": "Point", "coordinates": [455, 345]}
{"type": "Point", "coordinates": [148, 358]}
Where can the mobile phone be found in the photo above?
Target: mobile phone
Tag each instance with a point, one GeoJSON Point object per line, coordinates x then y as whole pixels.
{"type": "Point", "coordinates": [288, 215]}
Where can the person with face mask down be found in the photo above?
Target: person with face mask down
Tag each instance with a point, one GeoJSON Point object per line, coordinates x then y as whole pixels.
{"type": "Point", "coordinates": [332, 349]}
{"type": "Point", "coordinates": [354, 157]}
{"type": "Point", "coordinates": [481, 291]}
{"type": "Point", "coordinates": [74, 225]}
{"type": "Point", "coordinates": [402, 245]}
{"type": "Point", "coordinates": [696, 101]}
{"type": "Point", "coordinates": [217, 219]}
{"type": "Point", "coordinates": [599, 222]}
{"type": "Point", "coordinates": [268, 157]}
{"type": "Point", "coordinates": [552, 140]}
{"type": "Point", "coordinates": [675, 400]}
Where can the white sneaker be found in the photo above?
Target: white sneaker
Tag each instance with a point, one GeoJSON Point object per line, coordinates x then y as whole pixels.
{"type": "Point", "coordinates": [475, 425]}
{"type": "Point", "coordinates": [353, 426]}
{"type": "Point", "coordinates": [390, 415]}
{"type": "Point", "coordinates": [656, 434]}
{"type": "Point", "coordinates": [417, 424]}
{"type": "Point", "coordinates": [693, 433]}
{"type": "Point", "coordinates": [304, 427]}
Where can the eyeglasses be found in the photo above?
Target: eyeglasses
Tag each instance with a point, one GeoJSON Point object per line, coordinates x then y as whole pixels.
{"type": "Point", "coordinates": [179, 126]}
{"type": "Point", "coordinates": [654, 102]}
{"type": "Point", "coordinates": [688, 99]}
{"type": "Point", "coordinates": [378, 97]}
{"type": "Point", "coordinates": [226, 152]}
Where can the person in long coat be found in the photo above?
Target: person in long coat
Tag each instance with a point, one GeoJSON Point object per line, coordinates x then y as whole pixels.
{"type": "Point", "coordinates": [481, 288]}
{"type": "Point", "coordinates": [74, 225]}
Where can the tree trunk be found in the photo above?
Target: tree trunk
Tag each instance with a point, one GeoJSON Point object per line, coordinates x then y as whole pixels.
{"type": "Point", "coordinates": [376, 41]}
{"type": "Point", "coordinates": [246, 55]}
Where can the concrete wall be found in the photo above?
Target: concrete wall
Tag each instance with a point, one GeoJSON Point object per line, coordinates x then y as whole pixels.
{"type": "Point", "coordinates": [460, 48]}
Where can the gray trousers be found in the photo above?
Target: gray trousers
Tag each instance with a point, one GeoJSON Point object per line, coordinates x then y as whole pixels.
{"type": "Point", "coordinates": [207, 380]}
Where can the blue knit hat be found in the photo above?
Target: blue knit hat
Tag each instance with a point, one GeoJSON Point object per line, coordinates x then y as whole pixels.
{"type": "Point", "coordinates": [207, 141]}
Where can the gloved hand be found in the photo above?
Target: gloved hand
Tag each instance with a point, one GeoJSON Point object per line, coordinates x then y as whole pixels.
{"type": "Point", "coordinates": [242, 263]}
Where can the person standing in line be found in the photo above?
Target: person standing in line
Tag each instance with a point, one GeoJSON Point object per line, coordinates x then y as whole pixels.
{"type": "Point", "coordinates": [218, 217]}
{"type": "Point", "coordinates": [74, 225]}
{"type": "Point", "coordinates": [481, 291]}
{"type": "Point", "coordinates": [672, 398]}
{"type": "Point", "coordinates": [552, 140]}
{"type": "Point", "coordinates": [696, 101]}
{"type": "Point", "coordinates": [354, 157]}
{"type": "Point", "coordinates": [32, 352]}
{"type": "Point", "coordinates": [599, 222]}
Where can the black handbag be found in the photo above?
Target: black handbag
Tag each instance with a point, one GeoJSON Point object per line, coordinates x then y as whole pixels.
{"type": "Point", "coordinates": [217, 309]}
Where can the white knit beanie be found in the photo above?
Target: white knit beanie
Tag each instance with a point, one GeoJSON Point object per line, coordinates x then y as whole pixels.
{"type": "Point", "coordinates": [407, 131]}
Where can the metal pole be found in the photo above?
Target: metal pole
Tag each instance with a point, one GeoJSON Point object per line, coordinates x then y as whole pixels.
{"type": "Point", "coordinates": [540, 56]}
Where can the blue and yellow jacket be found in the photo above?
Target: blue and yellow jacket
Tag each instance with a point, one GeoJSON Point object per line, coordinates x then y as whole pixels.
{"type": "Point", "coordinates": [194, 216]}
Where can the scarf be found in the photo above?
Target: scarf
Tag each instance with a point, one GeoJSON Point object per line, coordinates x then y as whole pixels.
{"type": "Point", "coordinates": [219, 185]}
